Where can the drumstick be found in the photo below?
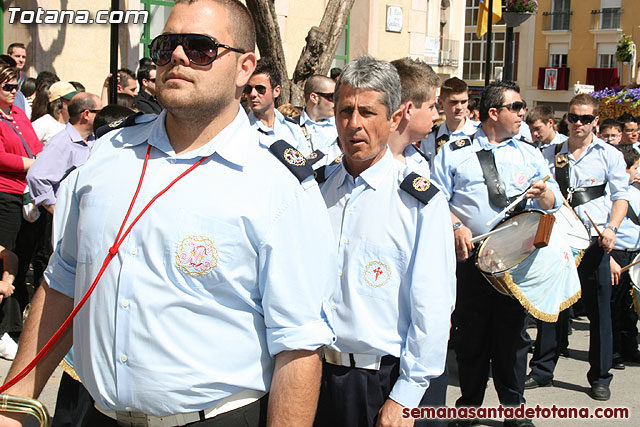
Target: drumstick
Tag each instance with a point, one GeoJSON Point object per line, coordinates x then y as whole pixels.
{"type": "Point", "coordinates": [514, 203]}
{"type": "Point", "coordinates": [482, 236]}
{"type": "Point", "coordinates": [594, 224]}
{"type": "Point", "coordinates": [623, 269]}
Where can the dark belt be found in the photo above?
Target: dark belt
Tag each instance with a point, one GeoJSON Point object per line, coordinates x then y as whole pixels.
{"type": "Point", "coordinates": [582, 195]}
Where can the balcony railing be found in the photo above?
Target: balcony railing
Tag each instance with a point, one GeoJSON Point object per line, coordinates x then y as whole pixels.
{"type": "Point", "coordinates": [449, 53]}
{"type": "Point", "coordinates": [606, 19]}
{"type": "Point", "coordinates": [556, 21]}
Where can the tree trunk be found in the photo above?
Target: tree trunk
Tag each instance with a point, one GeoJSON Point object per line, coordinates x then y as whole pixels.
{"type": "Point", "coordinates": [318, 53]}
{"type": "Point", "coordinates": [269, 41]}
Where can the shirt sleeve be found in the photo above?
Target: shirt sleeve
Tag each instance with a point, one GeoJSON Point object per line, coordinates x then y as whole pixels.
{"type": "Point", "coordinates": [432, 299]}
{"type": "Point", "coordinates": [297, 274]}
{"type": "Point", "coordinates": [441, 173]}
{"type": "Point", "coordinates": [10, 162]}
{"type": "Point", "coordinates": [617, 176]}
{"type": "Point", "coordinates": [45, 174]}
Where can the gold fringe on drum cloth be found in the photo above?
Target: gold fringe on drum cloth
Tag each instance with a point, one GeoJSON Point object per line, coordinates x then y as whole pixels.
{"type": "Point", "coordinates": [636, 305]}
{"type": "Point", "coordinates": [69, 370]}
{"type": "Point", "coordinates": [545, 317]}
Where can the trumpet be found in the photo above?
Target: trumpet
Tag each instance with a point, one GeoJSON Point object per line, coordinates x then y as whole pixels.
{"type": "Point", "coordinates": [27, 406]}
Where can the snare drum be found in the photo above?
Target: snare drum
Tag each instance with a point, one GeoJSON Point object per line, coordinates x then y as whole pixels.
{"type": "Point", "coordinates": [545, 281]}
{"type": "Point", "coordinates": [634, 274]}
{"type": "Point", "coordinates": [575, 232]}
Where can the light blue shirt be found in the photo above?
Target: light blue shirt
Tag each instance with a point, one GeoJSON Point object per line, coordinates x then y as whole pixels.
{"type": "Point", "coordinates": [600, 163]}
{"type": "Point", "coordinates": [428, 145]}
{"type": "Point", "coordinates": [396, 273]}
{"type": "Point", "coordinates": [282, 129]}
{"type": "Point", "coordinates": [416, 161]}
{"type": "Point", "coordinates": [231, 266]}
{"type": "Point", "coordinates": [459, 175]}
{"type": "Point", "coordinates": [628, 236]}
{"type": "Point", "coordinates": [331, 152]}
{"type": "Point", "coordinates": [322, 133]}
{"type": "Point", "coordinates": [557, 139]}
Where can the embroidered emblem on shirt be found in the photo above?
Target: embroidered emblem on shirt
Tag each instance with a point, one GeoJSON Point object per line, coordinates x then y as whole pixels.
{"type": "Point", "coordinates": [339, 159]}
{"type": "Point", "coordinates": [562, 159]}
{"type": "Point", "coordinates": [196, 256]}
{"type": "Point", "coordinates": [421, 184]}
{"type": "Point", "coordinates": [294, 157]}
{"type": "Point", "coordinates": [116, 123]}
{"type": "Point", "coordinates": [377, 274]}
{"type": "Point", "coordinates": [592, 180]}
{"type": "Point", "coordinates": [312, 156]}
{"type": "Point", "coordinates": [520, 179]}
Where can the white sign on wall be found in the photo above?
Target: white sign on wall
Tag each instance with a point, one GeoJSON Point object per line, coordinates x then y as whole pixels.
{"type": "Point", "coordinates": [431, 50]}
{"type": "Point", "coordinates": [394, 19]}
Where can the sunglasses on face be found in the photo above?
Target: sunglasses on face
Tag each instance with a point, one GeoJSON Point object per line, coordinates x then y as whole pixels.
{"type": "Point", "coordinates": [153, 80]}
{"type": "Point", "coordinates": [200, 49]}
{"type": "Point", "coordinates": [585, 119]}
{"type": "Point", "coordinates": [326, 95]}
{"type": "Point", "coordinates": [10, 87]}
{"type": "Point", "coordinates": [515, 106]}
{"type": "Point", "coordinates": [259, 88]}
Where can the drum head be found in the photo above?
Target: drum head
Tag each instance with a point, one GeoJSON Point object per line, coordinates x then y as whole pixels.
{"type": "Point", "coordinates": [576, 233]}
{"type": "Point", "coordinates": [634, 273]}
{"type": "Point", "coordinates": [505, 249]}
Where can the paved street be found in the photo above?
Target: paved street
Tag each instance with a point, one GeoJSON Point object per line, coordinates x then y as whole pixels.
{"type": "Point", "coordinates": [569, 390]}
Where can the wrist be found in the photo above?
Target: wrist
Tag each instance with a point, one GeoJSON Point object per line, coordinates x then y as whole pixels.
{"type": "Point", "coordinates": [457, 225]}
{"type": "Point", "coordinates": [612, 228]}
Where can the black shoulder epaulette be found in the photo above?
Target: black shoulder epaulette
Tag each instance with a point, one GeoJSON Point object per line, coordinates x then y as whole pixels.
{"type": "Point", "coordinates": [320, 175]}
{"type": "Point", "coordinates": [295, 120]}
{"type": "Point", "coordinates": [460, 143]}
{"type": "Point", "coordinates": [314, 157]}
{"type": "Point", "coordinates": [337, 160]}
{"type": "Point", "coordinates": [292, 159]}
{"type": "Point", "coordinates": [422, 153]}
{"type": "Point", "coordinates": [118, 124]}
{"type": "Point", "coordinates": [528, 141]}
{"type": "Point", "coordinates": [419, 187]}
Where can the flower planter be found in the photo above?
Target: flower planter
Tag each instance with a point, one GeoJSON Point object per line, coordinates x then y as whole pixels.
{"type": "Point", "coordinates": [514, 19]}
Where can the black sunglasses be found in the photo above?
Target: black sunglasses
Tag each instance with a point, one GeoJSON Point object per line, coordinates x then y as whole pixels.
{"type": "Point", "coordinates": [259, 88]}
{"type": "Point", "coordinates": [10, 87]}
{"type": "Point", "coordinates": [153, 80]}
{"type": "Point", "coordinates": [326, 95]}
{"type": "Point", "coordinates": [514, 106]}
{"type": "Point", "coordinates": [200, 49]}
{"type": "Point", "coordinates": [585, 119]}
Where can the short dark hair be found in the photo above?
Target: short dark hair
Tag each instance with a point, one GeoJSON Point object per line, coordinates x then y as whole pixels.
{"type": "Point", "coordinates": [314, 84]}
{"type": "Point", "coordinates": [124, 75]}
{"type": "Point", "coordinates": [78, 104]}
{"type": "Point", "coordinates": [7, 73]}
{"type": "Point", "coordinates": [418, 80]}
{"type": "Point", "coordinates": [267, 66]}
{"type": "Point", "coordinates": [125, 99]}
{"type": "Point", "coordinates": [493, 96]}
{"type": "Point", "coordinates": [585, 99]}
{"type": "Point", "coordinates": [28, 87]}
{"type": "Point", "coordinates": [13, 46]}
{"type": "Point", "coordinates": [335, 72]}
{"type": "Point", "coordinates": [145, 73]}
{"type": "Point", "coordinates": [110, 114]}
{"type": "Point", "coordinates": [144, 62]}
{"type": "Point", "coordinates": [242, 27]}
{"type": "Point", "coordinates": [541, 112]}
{"type": "Point", "coordinates": [611, 123]}
{"type": "Point", "coordinates": [474, 104]}
{"type": "Point", "coordinates": [452, 86]}
{"type": "Point", "coordinates": [627, 118]}
{"type": "Point", "coordinates": [630, 154]}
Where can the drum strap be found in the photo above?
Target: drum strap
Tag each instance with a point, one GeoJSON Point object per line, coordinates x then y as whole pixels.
{"type": "Point", "coordinates": [632, 216]}
{"type": "Point", "coordinates": [562, 170]}
{"type": "Point", "coordinates": [582, 195]}
{"type": "Point", "coordinates": [495, 186]}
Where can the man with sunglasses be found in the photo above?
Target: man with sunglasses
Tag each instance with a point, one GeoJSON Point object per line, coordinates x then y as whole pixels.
{"type": "Point", "coordinates": [217, 268]}
{"type": "Point", "coordinates": [261, 92]}
{"type": "Point", "coordinates": [480, 176]}
{"type": "Point", "coordinates": [146, 100]}
{"type": "Point", "coordinates": [589, 170]}
{"type": "Point", "coordinates": [317, 120]}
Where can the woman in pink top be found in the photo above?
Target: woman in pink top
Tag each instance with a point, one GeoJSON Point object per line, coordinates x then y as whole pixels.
{"type": "Point", "coordinates": [16, 135]}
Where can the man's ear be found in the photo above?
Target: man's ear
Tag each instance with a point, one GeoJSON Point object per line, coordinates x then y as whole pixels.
{"type": "Point", "coordinates": [276, 91]}
{"type": "Point", "coordinates": [396, 118]}
{"type": "Point", "coordinates": [244, 69]}
{"type": "Point", "coordinates": [407, 110]}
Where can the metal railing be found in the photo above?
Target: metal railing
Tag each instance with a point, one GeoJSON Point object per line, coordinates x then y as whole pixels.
{"type": "Point", "coordinates": [556, 21]}
{"type": "Point", "coordinates": [449, 53]}
{"type": "Point", "coordinates": [606, 19]}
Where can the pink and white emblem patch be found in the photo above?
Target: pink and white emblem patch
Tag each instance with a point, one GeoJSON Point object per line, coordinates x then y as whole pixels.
{"type": "Point", "coordinates": [196, 256]}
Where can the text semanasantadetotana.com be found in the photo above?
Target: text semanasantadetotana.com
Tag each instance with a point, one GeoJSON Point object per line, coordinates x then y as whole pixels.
{"type": "Point", "coordinates": [516, 412]}
{"type": "Point", "coordinates": [42, 16]}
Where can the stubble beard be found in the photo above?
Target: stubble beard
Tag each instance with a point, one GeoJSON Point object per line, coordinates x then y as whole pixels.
{"type": "Point", "coordinates": [194, 111]}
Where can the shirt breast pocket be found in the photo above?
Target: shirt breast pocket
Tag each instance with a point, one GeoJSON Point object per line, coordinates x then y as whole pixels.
{"type": "Point", "coordinates": [380, 271]}
{"type": "Point", "coordinates": [94, 209]}
{"type": "Point", "coordinates": [200, 252]}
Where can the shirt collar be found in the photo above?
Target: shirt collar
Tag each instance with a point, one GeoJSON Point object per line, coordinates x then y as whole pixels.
{"type": "Point", "coordinates": [484, 144]}
{"type": "Point", "coordinates": [304, 118]}
{"type": "Point", "coordinates": [75, 136]}
{"type": "Point", "coordinates": [375, 174]}
{"type": "Point", "coordinates": [228, 143]}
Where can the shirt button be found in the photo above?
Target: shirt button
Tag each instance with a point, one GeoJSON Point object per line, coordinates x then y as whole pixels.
{"type": "Point", "coordinates": [134, 251]}
{"type": "Point", "coordinates": [345, 240]}
{"type": "Point", "coordinates": [334, 307]}
{"type": "Point", "coordinates": [125, 303]}
{"type": "Point", "coordinates": [172, 161]}
{"type": "Point", "coordinates": [351, 209]}
{"type": "Point", "coordinates": [123, 358]}
{"type": "Point", "coordinates": [340, 273]}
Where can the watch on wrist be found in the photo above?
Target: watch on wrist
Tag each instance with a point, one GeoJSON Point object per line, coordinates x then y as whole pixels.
{"type": "Point", "coordinates": [612, 228]}
{"type": "Point", "coordinates": [457, 225]}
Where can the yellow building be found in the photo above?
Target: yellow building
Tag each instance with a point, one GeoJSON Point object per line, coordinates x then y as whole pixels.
{"type": "Point", "coordinates": [432, 30]}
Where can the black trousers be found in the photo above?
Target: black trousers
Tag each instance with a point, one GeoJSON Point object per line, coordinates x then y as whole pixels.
{"type": "Point", "coordinates": [623, 316]}
{"type": "Point", "coordinates": [72, 404]}
{"type": "Point", "coordinates": [550, 341]}
{"type": "Point", "coordinates": [490, 333]}
{"type": "Point", "coordinates": [595, 281]}
{"type": "Point", "coordinates": [253, 415]}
